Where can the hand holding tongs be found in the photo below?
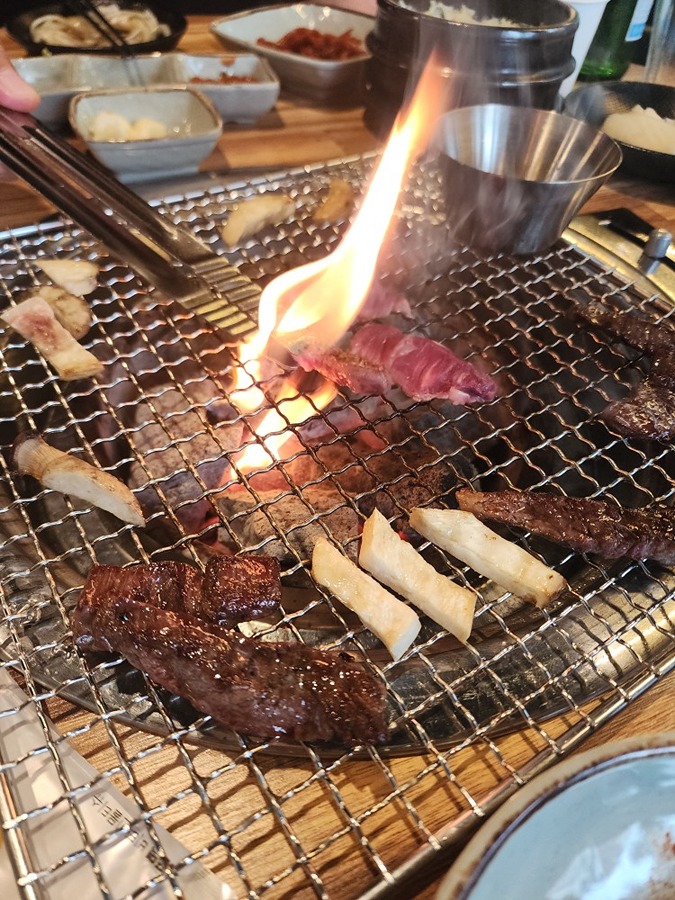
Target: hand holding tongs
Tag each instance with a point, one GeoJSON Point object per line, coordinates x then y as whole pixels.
{"type": "Point", "coordinates": [176, 261]}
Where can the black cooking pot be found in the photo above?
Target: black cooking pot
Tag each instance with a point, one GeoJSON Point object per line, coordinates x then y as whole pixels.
{"type": "Point", "coordinates": [520, 64]}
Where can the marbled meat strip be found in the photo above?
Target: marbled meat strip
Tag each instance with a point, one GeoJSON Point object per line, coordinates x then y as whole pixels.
{"type": "Point", "coordinates": [422, 368]}
{"type": "Point", "coordinates": [588, 526]}
{"type": "Point", "coordinates": [257, 687]}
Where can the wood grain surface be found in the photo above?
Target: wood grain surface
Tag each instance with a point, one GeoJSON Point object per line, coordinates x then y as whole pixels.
{"type": "Point", "coordinates": [295, 133]}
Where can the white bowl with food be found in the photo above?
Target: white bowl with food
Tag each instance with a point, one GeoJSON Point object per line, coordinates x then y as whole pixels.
{"type": "Point", "coordinates": [600, 824]}
{"type": "Point", "coordinates": [58, 28]}
{"type": "Point", "coordinates": [286, 35]}
{"type": "Point", "coordinates": [147, 133]}
{"type": "Point", "coordinates": [58, 78]}
{"type": "Point", "coordinates": [52, 77]}
{"type": "Point", "coordinates": [639, 116]}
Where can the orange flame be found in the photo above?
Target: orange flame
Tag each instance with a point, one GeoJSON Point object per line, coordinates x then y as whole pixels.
{"type": "Point", "coordinates": [316, 303]}
{"type": "Point", "coordinates": [319, 301]}
{"type": "Point", "coordinates": [273, 431]}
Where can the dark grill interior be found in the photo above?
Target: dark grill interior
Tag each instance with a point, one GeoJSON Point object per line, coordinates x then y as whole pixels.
{"type": "Point", "coordinates": [163, 409]}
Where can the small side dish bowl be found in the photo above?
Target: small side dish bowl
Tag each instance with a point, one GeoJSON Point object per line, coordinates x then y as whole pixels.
{"type": "Point", "coordinates": [515, 176]}
{"type": "Point", "coordinates": [173, 25]}
{"type": "Point", "coordinates": [593, 103]}
{"type": "Point", "coordinates": [320, 79]}
{"type": "Point", "coordinates": [52, 78]}
{"type": "Point", "coordinates": [600, 824]}
{"type": "Point", "coordinates": [241, 86]}
{"type": "Point", "coordinates": [190, 123]}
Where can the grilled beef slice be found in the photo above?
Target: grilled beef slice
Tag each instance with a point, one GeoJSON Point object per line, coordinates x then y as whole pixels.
{"type": "Point", "coordinates": [588, 526]}
{"type": "Point", "coordinates": [257, 687]}
{"type": "Point", "coordinates": [649, 410]}
{"type": "Point", "coordinates": [422, 368]}
{"type": "Point", "coordinates": [239, 588]}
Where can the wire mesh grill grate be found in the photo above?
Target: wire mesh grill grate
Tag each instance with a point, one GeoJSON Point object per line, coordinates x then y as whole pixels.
{"type": "Point", "coordinates": [271, 819]}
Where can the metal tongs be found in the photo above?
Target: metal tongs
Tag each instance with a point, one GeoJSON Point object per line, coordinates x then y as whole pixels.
{"type": "Point", "coordinates": [164, 255]}
{"type": "Point", "coordinates": [95, 17]}
{"type": "Point", "coordinates": [114, 37]}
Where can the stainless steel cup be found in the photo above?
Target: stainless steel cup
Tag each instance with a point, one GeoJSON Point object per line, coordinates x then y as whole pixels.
{"type": "Point", "coordinates": [514, 177]}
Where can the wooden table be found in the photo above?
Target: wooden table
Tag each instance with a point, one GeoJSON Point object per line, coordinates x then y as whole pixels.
{"type": "Point", "coordinates": [297, 132]}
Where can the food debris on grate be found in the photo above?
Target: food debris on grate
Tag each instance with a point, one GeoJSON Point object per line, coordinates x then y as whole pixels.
{"type": "Point", "coordinates": [162, 419]}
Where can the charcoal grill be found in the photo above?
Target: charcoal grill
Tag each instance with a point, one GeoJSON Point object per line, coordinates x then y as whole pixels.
{"type": "Point", "coordinates": [590, 654]}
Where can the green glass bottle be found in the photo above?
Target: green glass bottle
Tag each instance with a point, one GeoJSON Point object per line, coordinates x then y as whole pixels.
{"type": "Point", "coordinates": [609, 55]}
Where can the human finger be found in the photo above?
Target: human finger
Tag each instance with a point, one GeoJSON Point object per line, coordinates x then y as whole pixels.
{"type": "Point", "coordinates": [15, 93]}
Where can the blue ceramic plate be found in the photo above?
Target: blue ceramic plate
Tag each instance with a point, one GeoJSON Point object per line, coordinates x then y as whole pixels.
{"type": "Point", "coordinates": [600, 826]}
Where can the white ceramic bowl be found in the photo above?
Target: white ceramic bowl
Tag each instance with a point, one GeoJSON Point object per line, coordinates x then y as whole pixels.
{"type": "Point", "coordinates": [599, 825]}
{"type": "Point", "coordinates": [58, 78]}
{"type": "Point", "coordinates": [316, 78]}
{"type": "Point", "coordinates": [193, 128]}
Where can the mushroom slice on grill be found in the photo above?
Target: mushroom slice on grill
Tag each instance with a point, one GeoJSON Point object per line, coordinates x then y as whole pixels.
{"type": "Point", "coordinates": [73, 275]}
{"type": "Point", "coordinates": [507, 564]}
{"type": "Point", "coordinates": [60, 471]}
{"type": "Point", "coordinates": [255, 213]}
{"type": "Point", "coordinates": [397, 564]}
{"type": "Point", "coordinates": [34, 320]}
{"type": "Point", "coordinates": [71, 311]}
{"type": "Point", "coordinates": [337, 203]}
{"type": "Point", "coordinates": [393, 622]}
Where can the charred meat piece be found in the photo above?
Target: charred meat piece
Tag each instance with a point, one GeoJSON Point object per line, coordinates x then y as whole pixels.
{"type": "Point", "coordinates": [260, 688]}
{"type": "Point", "coordinates": [649, 412]}
{"type": "Point", "coordinates": [422, 368]}
{"type": "Point", "coordinates": [344, 368]}
{"type": "Point", "coordinates": [239, 588]}
{"type": "Point", "coordinates": [232, 590]}
{"type": "Point", "coordinates": [632, 329]}
{"type": "Point", "coordinates": [588, 526]}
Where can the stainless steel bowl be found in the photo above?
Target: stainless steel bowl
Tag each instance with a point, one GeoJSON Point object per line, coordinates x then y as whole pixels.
{"type": "Point", "coordinates": [514, 177]}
